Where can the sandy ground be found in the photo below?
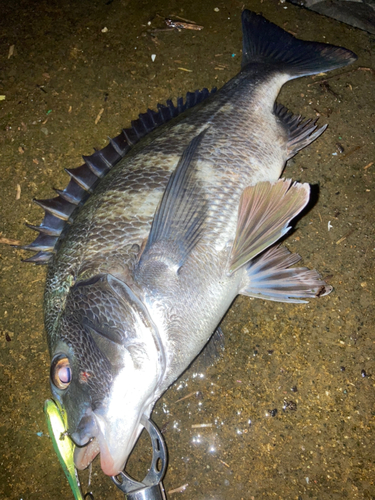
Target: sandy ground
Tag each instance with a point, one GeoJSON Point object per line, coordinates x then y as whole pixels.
{"type": "Point", "coordinates": [290, 403]}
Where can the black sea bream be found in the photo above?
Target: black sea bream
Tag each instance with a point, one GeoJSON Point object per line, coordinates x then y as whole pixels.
{"type": "Point", "coordinates": [142, 270]}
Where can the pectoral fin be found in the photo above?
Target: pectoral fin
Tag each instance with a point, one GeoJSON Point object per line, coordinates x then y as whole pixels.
{"type": "Point", "coordinates": [179, 219]}
{"type": "Point", "coordinates": [264, 213]}
{"type": "Point", "coordinates": [271, 277]}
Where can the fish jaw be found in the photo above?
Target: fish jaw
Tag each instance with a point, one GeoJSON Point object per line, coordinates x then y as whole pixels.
{"type": "Point", "coordinates": [114, 427]}
{"type": "Point", "coordinates": [84, 456]}
{"type": "Point", "coordinates": [115, 451]}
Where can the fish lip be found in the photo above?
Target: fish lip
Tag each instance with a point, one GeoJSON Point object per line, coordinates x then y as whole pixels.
{"type": "Point", "coordinates": [113, 463]}
{"type": "Point", "coordinates": [84, 455]}
{"type": "Point", "coordinates": [76, 441]}
{"type": "Point", "coordinates": [86, 430]}
{"type": "Point", "coordinates": [87, 448]}
{"type": "Point", "coordinates": [109, 460]}
{"type": "Point", "coordinates": [84, 438]}
{"type": "Point", "coordinates": [108, 463]}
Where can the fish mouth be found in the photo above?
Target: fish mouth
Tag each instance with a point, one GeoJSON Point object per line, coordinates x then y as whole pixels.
{"type": "Point", "coordinates": [112, 443]}
{"type": "Point", "coordinates": [83, 456]}
{"type": "Point", "coordinates": [116, 445]}
{"type": "Point", "coordinates": [85, 439]}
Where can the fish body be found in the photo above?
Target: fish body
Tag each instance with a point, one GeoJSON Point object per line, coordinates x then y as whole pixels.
{"type": "Point", "coordinates": [181, 225]}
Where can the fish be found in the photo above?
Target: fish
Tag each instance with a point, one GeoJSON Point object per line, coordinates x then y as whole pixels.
{"type": "Point", "coordinates": [156, 234]}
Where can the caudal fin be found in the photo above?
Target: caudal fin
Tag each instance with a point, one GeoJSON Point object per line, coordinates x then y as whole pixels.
{"type": "Point", "coordinates": [265, 42]}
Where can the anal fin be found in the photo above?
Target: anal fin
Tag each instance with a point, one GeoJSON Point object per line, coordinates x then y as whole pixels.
{"type": "Point", "coordinates": [271, 277]}
{"type": "Point", "coordinates": [264, 213]}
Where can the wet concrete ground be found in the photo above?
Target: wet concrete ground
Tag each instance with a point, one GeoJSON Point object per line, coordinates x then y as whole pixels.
{"type": "Point", "coordinates": [290, 403]}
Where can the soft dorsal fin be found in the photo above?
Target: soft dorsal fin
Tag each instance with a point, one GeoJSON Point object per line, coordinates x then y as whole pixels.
{"type": "Point", "coordinates": [301, 132]}
{"type": "Point", "coordinates": [59, 211]}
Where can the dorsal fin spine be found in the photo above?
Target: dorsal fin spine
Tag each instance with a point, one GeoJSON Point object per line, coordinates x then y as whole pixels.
{"type": "Point", "coordinates": [116, 147]}
{"type": "Point", "coordinates": [98, 170]}
{"type": "Point", "coordinates": [163, 112]}
{"type": "Point", "coordinates": [83, 176]}
{"type": "Point", "coordinates": [127, 137]}
{"type": "Point", "coordinates": [103, 158]}
{"type": "Point", "coordinates": [137, 128]}
{"type": "Point", "coordinates": [150, 114]}
{"type": "Point", "coordinates": [43, 243]}
{"type": "Point", "coordinates": [44, 230]}
{"type": "Point", "coordinates": [50, 225]}
{"type": "Point", "coordinates": [57, 207]}
{"type": "Point", "coordinates": [39, 258]}
{"type": "Point", "coordinates": [67, 197]}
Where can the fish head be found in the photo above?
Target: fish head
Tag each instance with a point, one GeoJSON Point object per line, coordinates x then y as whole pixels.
{"type": "Point", "coordinates": [106, 368]}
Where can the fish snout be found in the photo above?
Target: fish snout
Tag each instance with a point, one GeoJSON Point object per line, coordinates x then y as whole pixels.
{"type": "Point", "coordinates": [86, 430]}
{"type": "Point", "coordinates": [84, 437]}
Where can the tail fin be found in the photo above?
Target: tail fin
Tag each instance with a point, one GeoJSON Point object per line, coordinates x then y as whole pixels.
{"type": "Point", "coordinates": [265, 42]}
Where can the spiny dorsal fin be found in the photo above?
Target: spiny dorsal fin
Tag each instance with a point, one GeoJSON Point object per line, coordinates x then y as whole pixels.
{"type": "Point", "coordinates": [59, 211]}
{"type": "Point", "coordinates": [301, 132]}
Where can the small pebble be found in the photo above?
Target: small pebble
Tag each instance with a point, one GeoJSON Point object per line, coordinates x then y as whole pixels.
{"type": "Point", "coordinates": [153, 57]}
{"type": "Point", "coordinates": [290, 405]}
{"type": "Point", "coordinates": [339, 147]}
{"type": "Point", "coordinates": [294, 388]}
{"type": "Point", "coordinates": [342, 368]}
{"type": "Point", "coordinates": [216, 9]}
{"type": "Point", "coordinates": [273, 412]}
{"type": "Point", "coordinates": [363, 373]}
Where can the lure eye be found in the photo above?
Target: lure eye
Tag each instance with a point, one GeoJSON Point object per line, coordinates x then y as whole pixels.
{"type": "Point", "coordinates": [61, 373]}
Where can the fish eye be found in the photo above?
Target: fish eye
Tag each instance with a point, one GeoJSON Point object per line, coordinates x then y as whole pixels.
{"type": "Point", "coordinates": [61, 373]}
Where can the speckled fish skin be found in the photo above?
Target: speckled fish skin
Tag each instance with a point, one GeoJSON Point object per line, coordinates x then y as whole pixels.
{"type": "Point", "coordinates": [127, 321]}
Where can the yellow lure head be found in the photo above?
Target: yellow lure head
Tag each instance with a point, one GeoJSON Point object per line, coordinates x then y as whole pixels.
{"type": "Point", "coordinates": [62, 444]}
